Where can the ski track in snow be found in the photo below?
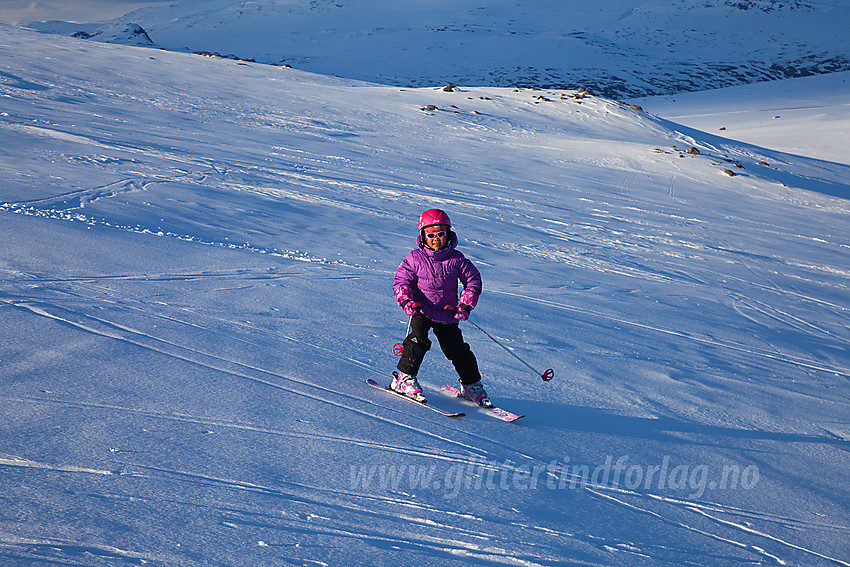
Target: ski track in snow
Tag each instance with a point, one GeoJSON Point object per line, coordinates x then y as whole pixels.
{"type": "Point", "coordinates": [118, 332]}
{"type": "Point", "coordinates": [211, 362]}
{"type": "Point", "coordinates": [749, 350]}
{"type": "Point", "coordinates": [752, 548]}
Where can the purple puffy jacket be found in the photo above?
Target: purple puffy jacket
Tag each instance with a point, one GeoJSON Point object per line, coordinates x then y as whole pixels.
{"type": "Point", "coordinates": [431, 278]}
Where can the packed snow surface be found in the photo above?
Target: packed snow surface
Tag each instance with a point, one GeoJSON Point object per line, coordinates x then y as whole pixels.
{"type": "Point", "coordinates": [196, 283]}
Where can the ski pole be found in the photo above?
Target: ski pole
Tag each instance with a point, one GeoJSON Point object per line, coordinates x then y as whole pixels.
{"type": "Point", "coordinates": [398, 348]}
{"type": "Point", "coordinates": [546, 376]}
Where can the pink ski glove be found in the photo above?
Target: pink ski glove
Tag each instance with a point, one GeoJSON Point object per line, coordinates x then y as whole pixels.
{"type": "Point", "coordinates": [412, 308]}
{"type": "Point", "coordinates": [468, 299]}
{"type": "Point", "coordinates": [462, 313]}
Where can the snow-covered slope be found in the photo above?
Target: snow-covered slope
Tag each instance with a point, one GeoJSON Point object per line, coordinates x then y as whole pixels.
{"type": "Point", "coordinates": [196, 283]}
{"type": "Point", "coordinates": [808, 116]}
{"type": "Point", "coordinates": [614, 47]}
{"type": "Point", "coordinates": [119, 32]}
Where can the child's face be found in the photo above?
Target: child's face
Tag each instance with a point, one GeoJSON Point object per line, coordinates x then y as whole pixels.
{"type": "Point", "coordinates": [437, 236]}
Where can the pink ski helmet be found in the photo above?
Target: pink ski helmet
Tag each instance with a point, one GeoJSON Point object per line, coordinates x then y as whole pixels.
{"type": "Point", "coordinates": [432, 217]}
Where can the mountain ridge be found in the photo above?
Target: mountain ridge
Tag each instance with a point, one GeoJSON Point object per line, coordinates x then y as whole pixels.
{"type": "Point", "coordinates": [613, 48]}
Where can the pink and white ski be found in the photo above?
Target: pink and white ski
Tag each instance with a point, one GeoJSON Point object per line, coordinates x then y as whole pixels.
{"type": "Point", "coordinates": [498, 413]}
{"type": "Point", "coordinates": [415, 401]}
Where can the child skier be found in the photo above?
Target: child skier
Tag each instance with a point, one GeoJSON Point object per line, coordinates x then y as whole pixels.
{"type": "Point", "coordinates": [426, 287]}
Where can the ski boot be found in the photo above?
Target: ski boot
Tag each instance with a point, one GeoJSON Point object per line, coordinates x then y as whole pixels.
{"type": "Point", "coordinates": [475, 393]}
{"type": "Point", "coordinates": [407, 385]}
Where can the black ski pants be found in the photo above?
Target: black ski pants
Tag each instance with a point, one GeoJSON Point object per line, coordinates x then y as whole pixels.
{"type": "Point", "coordinates": [417, 344]}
